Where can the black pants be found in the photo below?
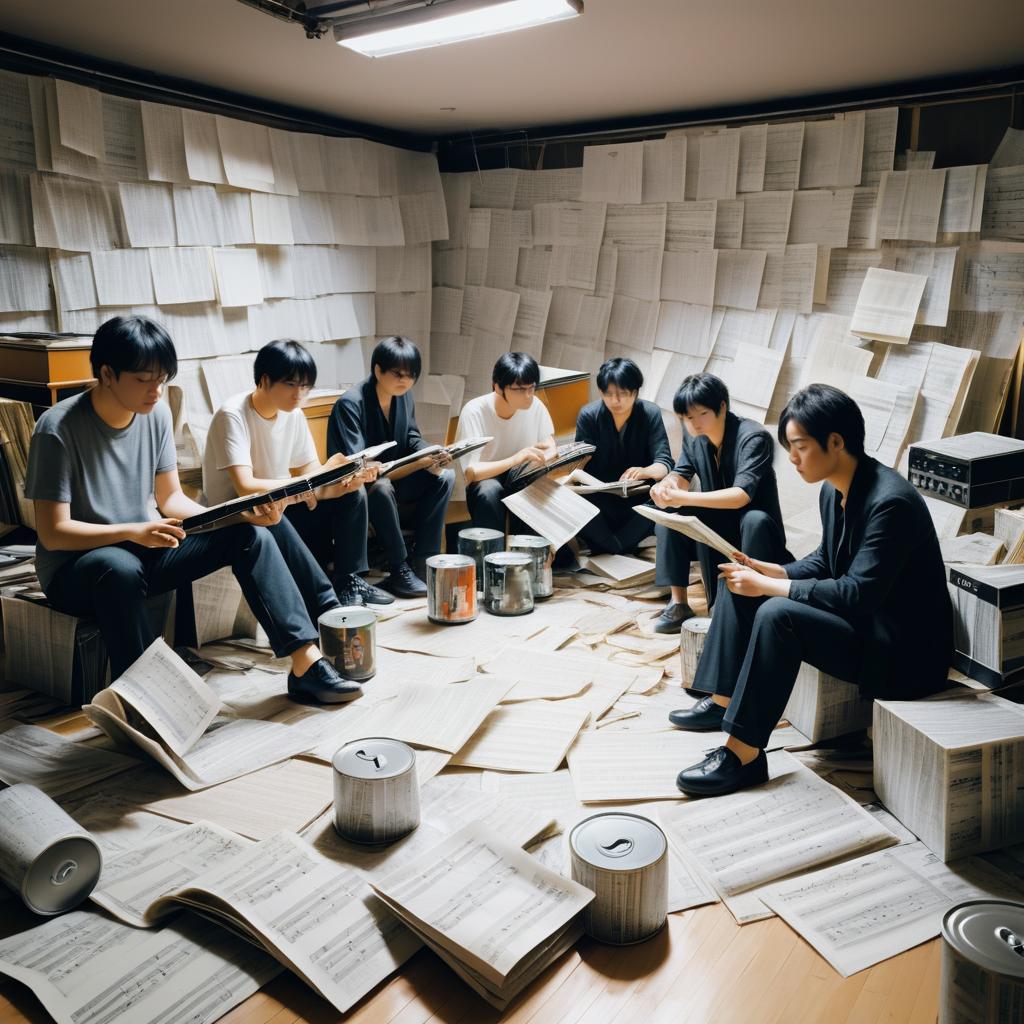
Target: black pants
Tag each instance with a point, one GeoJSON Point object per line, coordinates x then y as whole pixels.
{"type": "Point", "coordinates": [755, 533]}
{"type": "Point", "coordinates": [616, 529]}
{"type": "Point", "coordinates": [317, 592]}
{"type": "Point", "coordinates": [111, 583]}
{"type": "Point", "coordinates": [485, 506]}
{"type": "Point", "coordinates": [428, 494]}
{"type": "Point", "coordinates": [335, 531]}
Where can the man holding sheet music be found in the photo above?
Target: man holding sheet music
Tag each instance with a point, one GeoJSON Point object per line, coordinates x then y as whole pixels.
{"type": "Point", "coordinates": [869, 606]}
{"type": "Point", "coordinates": [257, 441]}
{"type": "Point", "coordinates": [632, 446]}
{"type": "Point", "coordinates": [97, 463]}
{"type": "Point", "coordinates": [382, 409]}
{"type": "Point", "coordinates": [732, 457]}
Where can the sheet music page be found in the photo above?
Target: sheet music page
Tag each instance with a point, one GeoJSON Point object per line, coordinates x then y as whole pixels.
{"type": "Point", "coordinates": [198, 215]}
{"type": "Point", "coordinates": [888, 412]}
{"type": "Point", "coordinates": [822, 216]}
{"type": "Point", "coordinates": [312, 223]}
{"type": "Point", "coordinates": [245, 151]}
{"type": "Point", "coordinates": [638, 272]}
{"type": "Point", "coordinates": [684, 328]}
{"type": "Point", "coordinates": [568, 223]}
{"type": "Point", "coordinates": [728, 223]}
{"type": "Point", "coordinates": [972, 549]}
{"type": "Point", "coordinates": [282, 162]}
{"type": "Point", "coordinates": [829, 362]}
{"type": "Point", "coordinates": [17, 146]}
{"type": "Point", "coordinates": [938, 266]}
{"type": "Point", "coordinates": [175, 702]}
{"type": "Point", "coordinates": [484, 899]}
{"type": "Point", "coordinates": [80, 118]}
{"type": "Point", "coordinates": [182, 274]}
{"type": "Point", "coordinates": [86, 969]}
{"type": "Point", "coordinates": [202, 147]}
{"type": "Point", "coordinates": [738, 278]}
{"type": "Point", "coordinates": [863, 219]}
{"type": "Point", "coordinates": [909, 204]}
{"type": "Point", "coordinates": [15, 204]}
{"type": "Point", "coordinates": [238, 277]}
{"type": "Point", "coordinates": [164, 137]}
{"type": "Point", "coordinates": [963, 199]}
{"type": "Point", "coordinates": [1010, 151]}
{"type": "Point", "coordinates": [563, 185]}
{"type": "Point", "coordinates": [367, 220]}
{"type": "Point", "coordinates": [114, 824]}
{"type": "Point", "coordinates": [888, 305]}
{"type": "Point", "coordinates": [794, 822]}
{"type": "Point", "coordinates": [879, 143]}
{"type": "Point", "coordinates": [495, 189]}
{"type": "Point", "coordinates": [689, 526]}
{"type": "Point", "coordinates": [1003, 215]}
{"type": "Point", "coordinates": [690, 226]}
{"type": "Point", "coordinates": [751, 377]}
{"type": "Point", "coordinates": [753, 157]}
{"type": "Point", "coordinates": [689, 277]}
{"type": "Point", "coordinates": [23, 280]}
{"type": "Point", "coordinates": [783, 148]}
{"type": "Point", "coordinates": [833, 151]}
{"type": "Point", "coordinates": [148, 214]}
{"type": "Point", "coordinates": [524, 737]}
{"type": "Point", "coordinates": [989, 279]}
{"type": "Point", "coordinates": [29, 753]}
{"type": "Point", "coordinates": [664, 175]}
{"type": "Point", "coordinates": [124, 147]}
{"type": "Point", "coordinates": [635, 226]}
{"type": "Point", "coordinates": [718, 169]}
{"type": "Point", "coordinates": [423, 217]}
{"type": "Point", "coordinates": [123, 277]}
{"type": "Point", "coordinates": [613, 174]}
{"type": "Point", "coordinates": [766, 217]}
{"type": "Point", "coordinates": [271, 219]}
{"type": "Point", "coordinates": [554, 512]}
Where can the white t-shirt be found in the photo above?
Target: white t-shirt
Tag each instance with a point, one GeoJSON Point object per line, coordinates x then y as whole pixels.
{"type": "Point", "coordinates": [240, 436]}
{"type": "Point", "coordinates": [526, 428]}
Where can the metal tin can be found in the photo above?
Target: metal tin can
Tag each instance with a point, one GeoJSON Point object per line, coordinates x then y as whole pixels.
{"type": "Point", "coordinates": [451, 589]}
{"type": "Point", "coordinates": [347, 637]}
{"type": "Point", "coordinates": [623, 858]}
{"type": "Point", "coordinates": [477, 541]}
{"type": "Point", "coordinates": [508, 586]}
{"type": "Point", "coordinates": [982, 963]}
{"type": "Point", "coordinates": [45, 855]}
{"type": "Point", "coordinates": [539, 549]}
{"type": "Point", "coordinates": [376, 791]}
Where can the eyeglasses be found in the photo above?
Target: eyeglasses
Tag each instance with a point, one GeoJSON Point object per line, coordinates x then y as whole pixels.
{"type": "Point", "coordinates": [522, 389]}
{"type": "Point", "coordinates": [402, 374]}
{"type": "Point", "coordinates": [297, 384]}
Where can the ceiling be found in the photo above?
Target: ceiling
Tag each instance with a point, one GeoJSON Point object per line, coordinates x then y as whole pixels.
{"type": "Point", "coordinates": [623, 58]}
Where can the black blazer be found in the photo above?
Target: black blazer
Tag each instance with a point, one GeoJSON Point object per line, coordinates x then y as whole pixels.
{"type": "Point", "coordinates": [357, 422]}
{"type": "Point", "coordinates": [879, 567]}
{"type": "Point", "coordinates": [642, 443]}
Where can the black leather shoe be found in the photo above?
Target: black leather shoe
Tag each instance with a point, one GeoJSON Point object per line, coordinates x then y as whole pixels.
{"type": "Point", "coordinates": [672, 618]}
{"type": "Point", "coordinates": [403, 582]}
{"type": "Point", "coordinates": [704, 716]}
{"type": "Point", "coordinates": [722, 772]}
{"type": "Point", "coordinates": [370, 594]}
{"type": "Point", "coordinates": [321, 684]}
{"type": "Point", "coordinates": [349, 594]}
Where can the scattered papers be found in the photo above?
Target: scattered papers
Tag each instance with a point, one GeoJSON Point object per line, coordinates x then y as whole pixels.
{"type": "Point", "coordinates": [887, 305]}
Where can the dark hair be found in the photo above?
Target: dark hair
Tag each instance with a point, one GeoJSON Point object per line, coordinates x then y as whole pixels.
{"type": "Point", "coordinates": [133, 343]}
{"type": "Point", "coordinates": [397, 353]}
{"type": "Point", "coordinates": [822, 410]}
{"type": "Point", "coordinates": [622, 373]}
{"type": "Point", "coordinates": [701, 389]}
{"type": "Point", "coordinates": [515, 368]}
{"type": "Point", "coordinates": [284, 359]}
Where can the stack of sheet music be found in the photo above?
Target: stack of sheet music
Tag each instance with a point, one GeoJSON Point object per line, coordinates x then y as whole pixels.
{"type": "Point", "coordinates": [823, 707]}
{"type": "Point", "coordinates": [622, 570]}
{"type": "Point", "coordinates": [16, 426]}
{"type": "Point", "coordinates": [1009, 528]}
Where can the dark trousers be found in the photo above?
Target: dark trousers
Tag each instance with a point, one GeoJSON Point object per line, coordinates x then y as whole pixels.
{"type": "Point", "coordinates": [317, 592]}
{"type": "Point", "coordinates": [428, 494]}
{"type": "Point", "coordinates": [755, 533]}
{"type": "Point", "coordinates": [486, 509]}
{"type": "Point", "coordinates": [616, 529]}
{"type": "Point", "coordinates": [335, 531]}
{"type": "Point", "coordinates": [111, 583]}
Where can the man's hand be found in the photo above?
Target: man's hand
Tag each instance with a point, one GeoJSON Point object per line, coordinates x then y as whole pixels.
{"type": "Point", "coordinates": [265, 515]}
{"type": "Point", "coordinates": [634, 473]}
{"type": "Point", "coordinates": [338, 459]}
{"type": "Point", "coordinates": [161, 533]}
{"type": "Point", "coordinates": [532, 454]}
{"type": "Point", "coordinates": [665, 494]}
{"type": "Point", "coordinates": [744, 581]}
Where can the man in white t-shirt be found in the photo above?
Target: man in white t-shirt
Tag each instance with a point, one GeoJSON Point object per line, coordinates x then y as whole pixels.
{"type": "Point", "coordinates": [522, 430]}
{"type": "Point", "coordinates": [260, 439]}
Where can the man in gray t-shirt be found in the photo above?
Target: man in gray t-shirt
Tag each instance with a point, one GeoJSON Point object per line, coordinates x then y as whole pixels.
{"type": "Point", "coordinates": [101, 473]}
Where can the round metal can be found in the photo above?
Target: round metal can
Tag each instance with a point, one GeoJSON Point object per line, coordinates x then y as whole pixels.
{"type": "Point", "coordinates": [982, 963]}
{"type": "Point", "coordinates": [539, 549]}
{"type": "Point", "coordinates": [623, 859]}
{"type": "Point", "coordinates": [508, 584]}
{"type": "Point", "coordinates": [477, 541]}
{"type": "Point", "coordinates": [376, 791]}
{"type": "Point", "coordinates": [348, 639]}
{"type": "Point", "coordinates": [691, 646]}
{"type": "Point", "coordinates": [45, 855]}
{"type": "Point", "coordinates": [451, 589]}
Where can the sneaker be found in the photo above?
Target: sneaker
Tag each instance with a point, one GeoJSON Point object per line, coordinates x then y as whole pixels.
{"type": "Point", "coordinates": [672, 618]}
{"type": "Point", "coordinates": [321, 684]}
{"type": "Point", "coordinates": [403, 582]}
{"type": "Point", "coordinates": [370, 594]}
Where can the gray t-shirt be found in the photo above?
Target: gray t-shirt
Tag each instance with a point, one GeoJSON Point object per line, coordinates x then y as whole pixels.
{"type": "Point", "coordinates": [106, 475]}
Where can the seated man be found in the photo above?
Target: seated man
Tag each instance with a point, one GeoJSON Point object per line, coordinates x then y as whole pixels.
{"type": "Point", "coordinates": [869, 606]}
{"type": "Point", "coordinates": [738, 496]}
{"type": "Point", "coordinates": [96, 463]}
{"type": "Point", "coordinates": [381, 409]}
{"type": "Point", "coordinates": [631, 443]}
{"type": "Point", "coordinates": [259, 440]}
{"type": "Point", "coordinates": [522, 430]}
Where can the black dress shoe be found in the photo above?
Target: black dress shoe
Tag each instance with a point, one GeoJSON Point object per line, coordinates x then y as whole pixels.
{"type": "Point", "coordinates": [321, 684]}
{"type": "Point", "coordinates": [722, 772]}
{"type": "Point", "coordinates": [672, 617]}
{"type": "Point", "coordinates": [349, 595]}
{"type": "Point", "coordinates": [403, 582]}
{"type": "Point", "coordinates": [704, 716]}
{"type": "Point", "coordinates": [369, 593]}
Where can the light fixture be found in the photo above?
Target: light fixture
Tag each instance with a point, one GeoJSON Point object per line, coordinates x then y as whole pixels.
{"type": "Point", "coordinates": [451, 21]}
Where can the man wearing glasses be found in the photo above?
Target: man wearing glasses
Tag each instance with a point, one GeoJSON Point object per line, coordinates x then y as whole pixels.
{"type": "Point", "coordinates": [257, 441]}
{"type": "Point", "coordinates": [522, 430]}
{"type": "Point", "coordinates": [382, 409]}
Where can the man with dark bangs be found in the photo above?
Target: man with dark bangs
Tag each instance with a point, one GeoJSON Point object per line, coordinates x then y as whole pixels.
{"type": "Point", "coordinates": [381, 409]}
{"type": "Point", "coordinates": [97, 465]}
{"type": "Point", "coordinates": [258, 440]}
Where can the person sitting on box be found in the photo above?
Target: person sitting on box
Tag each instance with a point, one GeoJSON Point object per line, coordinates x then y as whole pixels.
{"type": "Point", "coordinates": [870, 606]}
{"type": "Point", "coordinates": [258, 440]}
{"type": "Point", "coordinates": [632, 444]}
{"type": "Point", "coordinates": [103, 477]}
{"type": "Point", "coordinates": [381, 409]}
{"type": "Point", "coordinates": [732, 457]}
{"type": "Point", "coordinates": [522, 432]}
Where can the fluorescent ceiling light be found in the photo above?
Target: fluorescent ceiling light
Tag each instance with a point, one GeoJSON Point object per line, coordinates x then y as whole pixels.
{"type": "Point", "coordinates": [465, 19]}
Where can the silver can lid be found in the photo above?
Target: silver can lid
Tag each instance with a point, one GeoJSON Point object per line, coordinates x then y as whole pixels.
{"type": "Point", "coordinates": [480, 533]}
{"type": "Point", "coordinates": [617, 841]}
{"type": "Point", "coordinates": [508, 558]}
{"type": "Point", "coordinates": [376, 757]}
{"type": "Point", "coordinates": [348, 617]}
{"type": "Point", "coordinates": [450, 562]}
{"type": "Point", "coordinates": [527, 541]}
{"type": "Point", "coordinates": [989, 934]}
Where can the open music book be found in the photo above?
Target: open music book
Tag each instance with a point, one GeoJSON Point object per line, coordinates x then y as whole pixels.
{"type": "Point", "coordinates": [583, 483]}
{"type": "Point", "coordinates": [567, 456]}
{"type": "Point", "coordinates": [455, 450]}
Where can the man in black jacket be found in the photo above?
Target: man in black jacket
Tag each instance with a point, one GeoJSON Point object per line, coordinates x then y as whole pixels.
{"type": "Point", "coordinates": [870, 606]}
{"type": "Point", "coordinates": [732, 457]}
{"type": "Point", "coordinates": [381, 409]}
